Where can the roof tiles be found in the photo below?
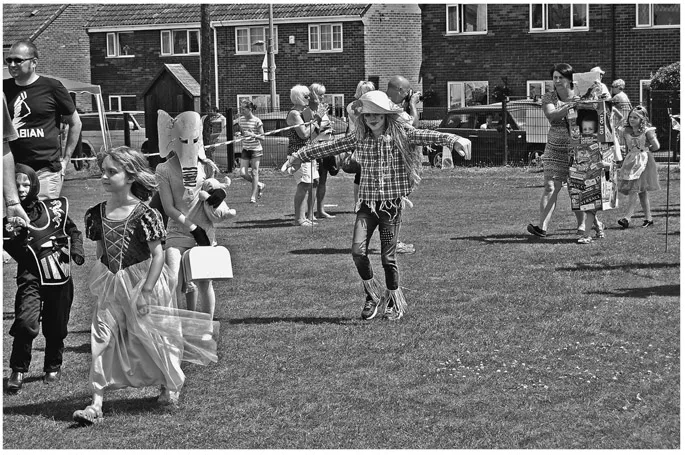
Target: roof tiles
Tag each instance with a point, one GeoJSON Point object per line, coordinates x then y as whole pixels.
{"type": "Point", "coordinates": [159, 14]}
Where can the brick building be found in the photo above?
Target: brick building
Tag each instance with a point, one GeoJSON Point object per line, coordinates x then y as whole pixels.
{"type": "Point", "coordinates": [334, 44]}
{"type": "Point", "coordinates": [57, 30]}
{"type": "Point", "coordinates": [469, 49]}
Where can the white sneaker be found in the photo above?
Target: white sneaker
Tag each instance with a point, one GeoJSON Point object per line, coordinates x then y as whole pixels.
{"type": "Point", "coordinates": [260, 189]}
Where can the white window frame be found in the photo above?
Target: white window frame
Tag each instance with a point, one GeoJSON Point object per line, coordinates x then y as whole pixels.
{"type": "Point", "coordinates": [256, 49]}
{"type": "Point", "coordinates": [461, 86]}
{"type": "Point", "coordinates": [650, 7]}
{"type": "Point", "coordinates": [117, 99]}
{"type": "Point", "coordinates": [113, 50]}
{"type": "Point", "coordinates": [459, 8]}
{"type": "Point", "coordinates": [315, 31]}
{"type": "Point", "coordinates": [545, 18]}
{"type": "Point", "coordinates": [335, 101]}
{"type": "Point", "coordinates": [166, 40]}
{"type": "Point", "coordinates": [546, 86]}
{"type": "Point", "coordinates": [266, 98]}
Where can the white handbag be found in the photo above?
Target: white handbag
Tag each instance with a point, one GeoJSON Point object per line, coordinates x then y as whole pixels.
{"type": "Point", "coordinates": [207, 263]}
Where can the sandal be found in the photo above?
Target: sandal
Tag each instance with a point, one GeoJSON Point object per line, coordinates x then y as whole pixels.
{"type": "Point", "coordinates": [305, 222]}
{"type": "Point", "coordinates": [167, 397]}
{"type": "Point", "coordinates": [585, 240]}
{"type": "Point", "coordinates": [89, 416]}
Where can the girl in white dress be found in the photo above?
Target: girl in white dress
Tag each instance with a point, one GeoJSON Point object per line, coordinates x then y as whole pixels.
{"type": "Point", "coordinates": [638, 175]}
{"type": "Point", "coordinates": [138, 335]}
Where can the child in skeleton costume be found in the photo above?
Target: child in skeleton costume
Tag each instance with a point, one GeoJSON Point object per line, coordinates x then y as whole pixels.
{"type": "Point", "coordinates": [181, 179]}
{"type": "Point", "coordinates": [44, 286]}
{"type": "Point", "coordinates": [138, 334]}
{"type": "Point", "coordinates": [384, 147]}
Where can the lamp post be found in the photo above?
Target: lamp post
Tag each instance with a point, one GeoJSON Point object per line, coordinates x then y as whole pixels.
{"type": "Point", "coordinates": [270, 60]}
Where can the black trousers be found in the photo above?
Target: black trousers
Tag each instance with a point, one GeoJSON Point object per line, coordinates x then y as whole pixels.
{"type": "Point", "coordinates": [35, 305]}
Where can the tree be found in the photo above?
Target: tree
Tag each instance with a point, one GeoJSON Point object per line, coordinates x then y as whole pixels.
{"type": "Point", "coordinates": [666, 78]}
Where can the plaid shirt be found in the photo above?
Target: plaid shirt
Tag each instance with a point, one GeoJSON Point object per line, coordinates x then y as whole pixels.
{"type": "Point", "coordinates": [384, 175]}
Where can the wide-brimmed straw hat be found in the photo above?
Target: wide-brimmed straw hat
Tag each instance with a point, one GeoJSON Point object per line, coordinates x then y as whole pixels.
{"type": "Point", "coordinates": [597, 69]}
{"type": "Point", "coordinates": [377, 102]}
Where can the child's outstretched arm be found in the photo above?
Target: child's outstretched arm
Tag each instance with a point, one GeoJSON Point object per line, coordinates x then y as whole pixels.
{"type": "Point", "coordinates": [153, 274]}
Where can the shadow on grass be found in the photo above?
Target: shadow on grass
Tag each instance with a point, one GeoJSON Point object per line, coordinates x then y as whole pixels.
{"type": "Point", "coordinates": [514, 238]}
{"type": "Point", "coordinates": [297, 319]}
{"type": "Point", "coordinates": [668, 290]}
{"type": "Point", "coordinates": [323, 251]}
{"type": "Point", "coordinates": [606, 268]}
{"type": "Point", "coordinates": [63, 410]}
{"type": "Point", "coordinates": [82, 349]}
{"type": "Point", "coordinates": [249, 224]}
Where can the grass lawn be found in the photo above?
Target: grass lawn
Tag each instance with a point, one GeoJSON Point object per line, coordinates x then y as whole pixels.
{"type": "Point", "coordinates": [509, 342]}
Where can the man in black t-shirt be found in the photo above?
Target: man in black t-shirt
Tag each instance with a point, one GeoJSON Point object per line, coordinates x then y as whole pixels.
{"type": "Point", "coordinates": [37, 105]}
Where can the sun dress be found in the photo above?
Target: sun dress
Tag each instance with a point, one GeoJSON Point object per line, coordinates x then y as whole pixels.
{"type": "Point", "coordinates": [130, 350]}
{"type": "Point", "coordinates": [638, 172]}
{"type": "Point", "coordinates": [555, 159]}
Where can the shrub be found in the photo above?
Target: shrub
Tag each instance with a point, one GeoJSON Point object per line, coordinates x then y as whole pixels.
{"type": "Point", "coordinates": [667, 78]}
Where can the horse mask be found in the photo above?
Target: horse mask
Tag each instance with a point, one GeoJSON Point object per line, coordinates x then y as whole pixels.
{"type": "Point", "coordinates": [183, 136]}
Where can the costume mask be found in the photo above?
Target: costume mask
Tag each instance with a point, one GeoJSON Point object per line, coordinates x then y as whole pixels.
{"type": "Point", "coordinates": [183, 136]}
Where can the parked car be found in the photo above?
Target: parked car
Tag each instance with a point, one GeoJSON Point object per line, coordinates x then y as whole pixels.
{"type": "Point", "coordinates": [526, 127]}
{"type": "Point", "coordinates": [275, 145]}
{"type": "Point", "coordinates": [91, 133]}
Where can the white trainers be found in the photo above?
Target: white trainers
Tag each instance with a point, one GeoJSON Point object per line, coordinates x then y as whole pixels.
{"type": "Point", "coordinates": [260, 189]}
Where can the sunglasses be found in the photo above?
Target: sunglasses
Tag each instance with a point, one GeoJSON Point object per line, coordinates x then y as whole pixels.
{"type": "Point", "coordinates": [16, 60]}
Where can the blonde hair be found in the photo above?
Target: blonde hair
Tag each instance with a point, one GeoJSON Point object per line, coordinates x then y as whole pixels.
{"type": "Point", "coordinates": [641, 112]}
{"type": "Point", "coordinates": [136, 167]}
{"type": "Point", "coordinates": [363, 87]}
{"type": "Point", "coordinates": [317, 89]}
{"type": "Point", "coordinates": [396, 128]}
{"type": "Point", "coordinates": [298, 93]}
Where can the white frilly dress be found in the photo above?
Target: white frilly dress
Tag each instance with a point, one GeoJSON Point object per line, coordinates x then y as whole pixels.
{"type": "Point", "coordinates": [129, 349]}
{"type": "Point", "coordinates": [638, 172]}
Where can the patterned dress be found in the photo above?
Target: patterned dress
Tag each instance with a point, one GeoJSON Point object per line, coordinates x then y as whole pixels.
{"type": "Point", "coordinates": [638, 172]}
{"type": "Point", "coordinates": [308, 172]}
{"type": "Point", "coordinates": [555, 160]}
{"type": "Point", "coordinates": [129, 349]}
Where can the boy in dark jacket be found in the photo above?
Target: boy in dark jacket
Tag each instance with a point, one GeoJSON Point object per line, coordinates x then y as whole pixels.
{"type": "Point", "coordinates": [45, 290]}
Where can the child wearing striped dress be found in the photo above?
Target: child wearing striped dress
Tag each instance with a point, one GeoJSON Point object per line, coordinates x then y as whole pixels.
{"type": "Point", "coordinates": [252, 131]}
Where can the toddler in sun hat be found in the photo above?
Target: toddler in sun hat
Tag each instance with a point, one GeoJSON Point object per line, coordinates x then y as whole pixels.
{"type": "Point", "coordinates": [385, 148]}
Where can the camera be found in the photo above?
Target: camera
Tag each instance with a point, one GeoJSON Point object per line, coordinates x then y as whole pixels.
{"type": "Point", "coordinates": [407, 99]}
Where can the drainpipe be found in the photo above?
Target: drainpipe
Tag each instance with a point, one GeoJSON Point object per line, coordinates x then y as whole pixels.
{"type": "Point", "coordinates": [216, 69]}
{"type": "Point", "coordinates": [614, 76]}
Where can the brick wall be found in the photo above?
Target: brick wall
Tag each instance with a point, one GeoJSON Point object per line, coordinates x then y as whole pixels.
{"type": "Point", "coordinates": [132, 75]}
{"type": "Point", "coordinates": [63, 48]}
{"type": "Point", "coordinates": [392, 42]}
{"type": "Point", "coordinates": [641, 52]}
{"type": "Point", "coordinates": [339, 72]}
{"type": "Point", "coordinates": [510, 50]}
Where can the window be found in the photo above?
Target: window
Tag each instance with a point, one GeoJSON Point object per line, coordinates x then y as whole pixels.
{"type": "Point", "coordinates": [180, 42]}
{"type": "Point", "coordinates": [325, 38]}
{"type": "Point", "coordinates": [120, 103]}
{"type": "Point", "coordinates": [263, 102]}
{"type": "Point", "coordinates": [658, 15]}
{"type": "Point", "coordinates": [462, 94]}
{"type": "Point", "coordinates": [120, 44]}
{"type": "Point", "coordinates": [535, 89]}
{"type": "Point", "coordinates": [558, 16]}
{"type": "Point", "coordinates": [253, 40]}
{"type": "Point", "coordinates": [467, 18]}
{"type": "Point", "coordinates": [336, 104]}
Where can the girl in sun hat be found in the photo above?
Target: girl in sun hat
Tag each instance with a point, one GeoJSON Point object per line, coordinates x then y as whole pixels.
{"type": "Point", "coordinates": [384, 148]}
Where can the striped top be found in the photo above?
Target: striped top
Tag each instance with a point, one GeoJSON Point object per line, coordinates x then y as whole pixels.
{"type": "Point", "coordinates": [253, 125]}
